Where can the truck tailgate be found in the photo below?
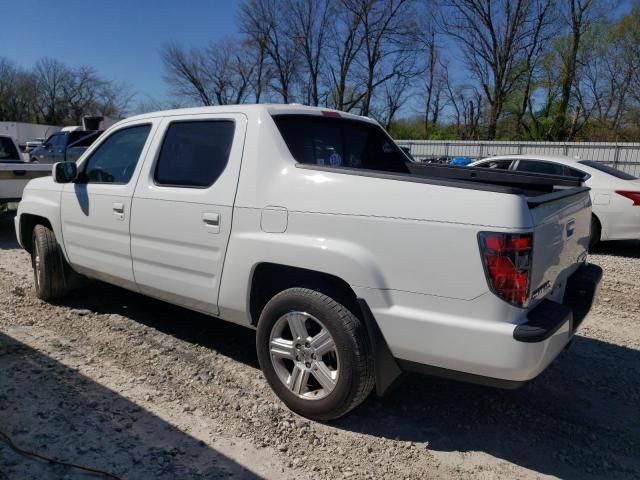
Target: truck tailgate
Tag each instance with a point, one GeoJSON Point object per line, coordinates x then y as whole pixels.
{"type": "Point", "coordinates": [561, 241]}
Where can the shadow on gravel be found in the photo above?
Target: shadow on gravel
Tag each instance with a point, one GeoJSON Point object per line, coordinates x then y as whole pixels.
{"type": "Point", "coordinates": [619, 248]}
{"type": "Point", "coordinates": [7, 232]}
{"type": "Point", "coordinates": [579, 419]}
{"type": "Point", "coordinates": [231, 340]}
{"type": "Point", "coordinates": [51, 409]}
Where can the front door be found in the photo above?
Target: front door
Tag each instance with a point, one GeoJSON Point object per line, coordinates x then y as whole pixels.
{"type": "Point", "coordinates": [96, 208]}
{"type": "Point", "coordinates": [182, 207]}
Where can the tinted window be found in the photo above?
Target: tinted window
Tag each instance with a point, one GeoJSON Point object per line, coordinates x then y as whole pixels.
{"type": "Point", "coordinates": [572, 172]}
{"type": "Point", "coordinates": [533, 166]}
{"type": "Point", "coordinates": [116, 158]}
{"type": "Point", "coordinates": [86, 140]}
{"type": "Point", "coordinates": [606, 169]}
{"type": "Point", "coordinates": [194, 154]}
{"type": "Point", "coordinates": [76, 135]}
{"type": "Point", "coordinates": [337, 142]}
{"type": "Point", "coordinates": [56, 141]}
{"type": "Point", "coordinates": [8, 150]}
{"type": "Point", "coordinates": [497, 164]}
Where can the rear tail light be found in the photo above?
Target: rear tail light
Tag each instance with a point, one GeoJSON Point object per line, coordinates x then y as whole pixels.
{"type": "Point", "coordinates": [635, 196]}
{"type": "Point", "coordinates": [507, 263]}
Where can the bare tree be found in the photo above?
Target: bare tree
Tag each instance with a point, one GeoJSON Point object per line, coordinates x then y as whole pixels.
{"type": "Point", "coordinates": [262, 23]}
{"type": "Point", "coordinates": [495, 37]}
{"type": "Point", "coordinates": [52, 77]}
{"type": "Point", "coordinates": [307, 22]}
{"type": "Point", "coordinates": [578, 18]}
{"type": "Point", "coordinates": [186, 73]}
{"type": "Point", "coordinates": [389, 43]}
{"type": "Point", "coordinates": [229, 72]}
{"type": "Point", "coordinates": [344, 45]}
{"type": "Point", "coordinates": [17, 93]}
{"type": "Point", "coordinates": [395, 95]}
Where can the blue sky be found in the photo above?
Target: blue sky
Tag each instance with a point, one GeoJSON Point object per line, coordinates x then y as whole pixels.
{"type": "Point", "coordinates": [120, 38]}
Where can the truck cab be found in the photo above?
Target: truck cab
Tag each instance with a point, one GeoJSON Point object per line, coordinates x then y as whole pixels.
{"type": "Point", "coordinates": [63, 146]}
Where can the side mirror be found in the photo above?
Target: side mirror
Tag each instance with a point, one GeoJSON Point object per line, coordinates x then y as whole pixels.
{"type": "Point", "coordinates": [64, 172]}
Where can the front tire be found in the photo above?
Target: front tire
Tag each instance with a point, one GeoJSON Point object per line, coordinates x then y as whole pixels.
{"type": "Point", "coordinates": [315, 354]}
{"type": "Point", "coordinates": [48, 265]}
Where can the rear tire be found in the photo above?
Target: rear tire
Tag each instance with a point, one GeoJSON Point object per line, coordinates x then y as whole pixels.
{"type": "Point", "coordinates": [48, 265]}
{"type": "Point", "coordinates": [315, 354]}
{"type": "Point", "coordinates": [596, 232]}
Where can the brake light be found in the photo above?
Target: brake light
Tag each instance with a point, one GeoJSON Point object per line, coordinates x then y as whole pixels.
{"type": "Point", "coordinates": [635, 196]}
{"type": "Point", "coordinates": [507, 263]}
{"type": "Point", "coordinates": [331, 113]}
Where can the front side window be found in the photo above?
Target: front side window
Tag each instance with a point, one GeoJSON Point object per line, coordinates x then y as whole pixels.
{"type": "Point", "coordinates": [116, 158]}
{"type": "Point", "coordinates": [534, 166]}
{"type": "Point", "coordinates": [339, 142]}
{"type": "Point", "coordinates": [194, 153]}
{"type": "Point", "coordinates": [56, 141]}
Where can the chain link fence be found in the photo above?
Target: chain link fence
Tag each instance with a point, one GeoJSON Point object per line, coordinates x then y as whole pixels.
{"type": "Point", "coordinates": [623, 156]}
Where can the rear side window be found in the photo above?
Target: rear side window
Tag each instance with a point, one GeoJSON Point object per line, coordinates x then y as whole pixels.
{"type": "Point", "coordinates": [339, 142]}
{"type": "Point", "coordinates": [8, 150]}
{"type": "Point", "coordinates": [116, 158]}
{"type": "Point", "coordinates": [547, 168]}
{"type": "Point", "coordinates": [572, 172]}
{"type": "Point", "coordinates": [606, 169]}
{"type": "Point", "coordinates": [194, 153]}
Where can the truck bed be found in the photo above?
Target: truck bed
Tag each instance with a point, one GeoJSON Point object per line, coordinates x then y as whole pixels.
{"type": "Point", "coordinates": [15, 175]}
{"type": "Point", "coordinates": [537, 188]}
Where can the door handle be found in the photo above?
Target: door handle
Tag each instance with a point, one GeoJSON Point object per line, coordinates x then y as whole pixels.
{"type": "Point", "coordinates": [118, 210]}
{"type": "Point", "coordinates": [211, 221]}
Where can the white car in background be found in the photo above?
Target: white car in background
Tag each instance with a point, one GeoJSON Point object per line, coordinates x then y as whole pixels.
{"type": "Point", "coordinates": [615, 195]}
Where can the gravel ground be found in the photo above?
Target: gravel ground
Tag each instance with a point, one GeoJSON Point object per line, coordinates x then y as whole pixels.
{"type": "Point", "coordinates": [117, 381]}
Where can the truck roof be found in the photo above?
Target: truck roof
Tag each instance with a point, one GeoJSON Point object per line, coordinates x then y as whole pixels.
{"type": "Point", "coordinates": [249, 109]}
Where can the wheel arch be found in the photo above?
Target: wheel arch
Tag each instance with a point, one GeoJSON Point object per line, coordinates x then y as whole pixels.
{"type": "Point", "coordinates": [28, 222]}
{"type": "Point", "coordinates": [268, 279]}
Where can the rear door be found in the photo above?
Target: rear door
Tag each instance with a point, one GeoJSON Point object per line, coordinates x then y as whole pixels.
{"type": "Point", "coordinates": [96, 208]}
{"type": "Point", "coordinates": [182, 208]}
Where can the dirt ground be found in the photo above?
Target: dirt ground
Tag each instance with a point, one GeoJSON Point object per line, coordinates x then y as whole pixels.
{"type": "Point", "coordinates": [113, 380]}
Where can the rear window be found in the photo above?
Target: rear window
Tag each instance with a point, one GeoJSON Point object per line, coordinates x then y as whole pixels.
{"type": "Point", "coordinates": [8, 150]}
{"type": "Point", "coordinates": [534, 166]}
{"type": "Point", "coordinates": [606, 169]}
{"type": "Point", "coordinates": [339, 142]}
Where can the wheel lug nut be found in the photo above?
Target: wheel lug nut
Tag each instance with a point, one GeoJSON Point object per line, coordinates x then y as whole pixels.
{"type": "Point", "coordinates": [307, 344]}
{"type": "Point", "coordinates": [308, 365]}
{"type": "Point", "coordinates": [313, 356]}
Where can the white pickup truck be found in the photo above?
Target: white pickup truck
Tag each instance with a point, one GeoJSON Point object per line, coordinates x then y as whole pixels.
{"type": "Point", "coordinates": [15, 172]}
{"type": "Point", "coordinates": [313, 227]}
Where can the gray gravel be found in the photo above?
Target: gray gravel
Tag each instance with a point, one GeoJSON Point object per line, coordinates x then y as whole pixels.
{"type": "Point", "coordinates": [117, 381]}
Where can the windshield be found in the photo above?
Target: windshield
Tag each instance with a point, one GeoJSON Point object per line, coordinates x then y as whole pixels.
{"type": "Point", "coordinates": [8, 149]}
{"type": "Point", "coordinates": [339, 142]}
{"type": "Point", "coordinates": [606, 169]}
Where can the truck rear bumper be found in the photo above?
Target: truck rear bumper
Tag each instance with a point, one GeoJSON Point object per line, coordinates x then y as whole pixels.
{"type": "Point", "coordinates": [503, 354]}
